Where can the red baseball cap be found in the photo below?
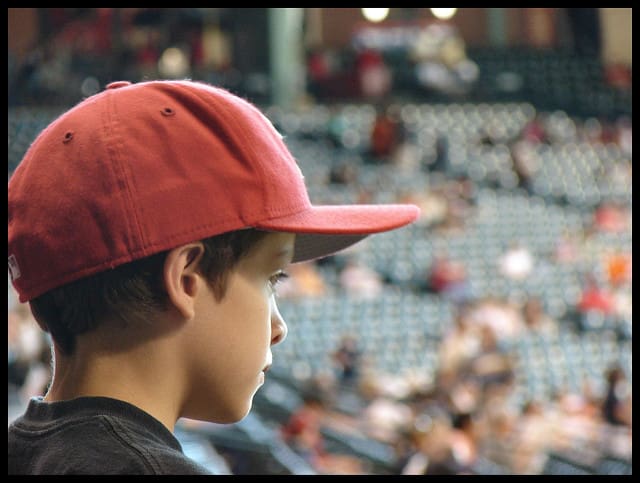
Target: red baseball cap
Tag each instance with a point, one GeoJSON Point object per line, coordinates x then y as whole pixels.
{"type": "Point", "coordinates": [142, 168]}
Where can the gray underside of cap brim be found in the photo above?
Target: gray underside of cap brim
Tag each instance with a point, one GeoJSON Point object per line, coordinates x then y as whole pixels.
{"type": "Point", "coordinates": [312, 246]}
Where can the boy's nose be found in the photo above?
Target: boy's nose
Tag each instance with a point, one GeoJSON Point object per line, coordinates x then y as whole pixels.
{"type": "Point", "coordinates": [278, 325]}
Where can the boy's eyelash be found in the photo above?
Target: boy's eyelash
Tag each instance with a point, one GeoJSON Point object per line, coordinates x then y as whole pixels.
{"type": "Point", "coordinates": [277, 277]}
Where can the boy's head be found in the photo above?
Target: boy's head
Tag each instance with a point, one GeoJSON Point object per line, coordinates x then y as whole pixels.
{"type": "Point", "coordinates": [128, 199]}
{"type": "Point", "coordinates": [142, 168]}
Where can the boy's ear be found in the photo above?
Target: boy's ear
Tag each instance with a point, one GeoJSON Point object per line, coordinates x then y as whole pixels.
{"type": "Point", "coordinates": [181, 277]}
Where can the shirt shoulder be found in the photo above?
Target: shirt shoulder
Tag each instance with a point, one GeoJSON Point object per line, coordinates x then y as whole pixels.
{"type": "Point", "coordinates": [94, 444]}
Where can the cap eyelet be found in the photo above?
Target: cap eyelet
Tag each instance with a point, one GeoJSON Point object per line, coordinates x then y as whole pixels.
{"type": "Point", "coordinates": [167, 111]}
{"type": "Point", "coordinates": [68, 137]}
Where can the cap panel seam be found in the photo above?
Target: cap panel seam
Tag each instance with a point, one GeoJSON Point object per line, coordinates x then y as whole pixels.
{"type": "Point", "coordinates": [226, 185]}
{"type": "Point", "coordinates": [231, 130]}
{"type": "Point", "coordinates": [114, 148]}
{"type": "Point", "coordinates": [231, 134]}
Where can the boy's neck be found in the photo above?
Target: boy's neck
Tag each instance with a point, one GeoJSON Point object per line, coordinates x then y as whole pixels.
{"type": "Point", "coordinates": [132, 378]}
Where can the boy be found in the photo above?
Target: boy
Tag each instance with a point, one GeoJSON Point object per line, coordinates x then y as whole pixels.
{"type": "Point", "coordinates": [148, 226]}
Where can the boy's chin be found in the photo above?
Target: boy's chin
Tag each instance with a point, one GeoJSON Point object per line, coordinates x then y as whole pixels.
{"type": "Point", "coordinates": [230, 416]}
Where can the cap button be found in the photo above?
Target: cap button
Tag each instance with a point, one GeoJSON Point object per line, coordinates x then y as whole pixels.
{"type": "Point", "coordinates": [117, 84]}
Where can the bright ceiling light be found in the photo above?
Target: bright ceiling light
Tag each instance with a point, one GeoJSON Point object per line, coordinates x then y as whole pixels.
{"type": "Point", "coordinates": [443, 13]}
{"type": "Point", "coordinates": [375, 14]}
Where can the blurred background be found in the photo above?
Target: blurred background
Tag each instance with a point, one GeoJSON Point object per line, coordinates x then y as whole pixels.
{"type": "Point", "coordinates": [491, 337]}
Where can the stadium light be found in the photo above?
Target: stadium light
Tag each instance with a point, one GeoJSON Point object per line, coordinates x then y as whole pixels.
{"type": "Point", "coordinates": [375, 14]}
{"type": "Point", "coordinates": [443, 13]}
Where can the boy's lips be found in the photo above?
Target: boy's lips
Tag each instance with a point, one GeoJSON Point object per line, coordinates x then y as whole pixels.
{"type": "Point", "coordinates": [269, 362]}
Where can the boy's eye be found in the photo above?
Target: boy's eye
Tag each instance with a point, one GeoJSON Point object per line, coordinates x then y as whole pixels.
{"type": "Point", "coordinates": [277, 277]}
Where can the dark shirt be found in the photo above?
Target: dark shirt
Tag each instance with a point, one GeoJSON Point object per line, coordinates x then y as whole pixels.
{"type": "Point", "coordinates": [93, 435]}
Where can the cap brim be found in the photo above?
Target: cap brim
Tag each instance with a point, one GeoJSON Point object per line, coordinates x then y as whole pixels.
{"type": "Point", "coordinates": [324, 230]}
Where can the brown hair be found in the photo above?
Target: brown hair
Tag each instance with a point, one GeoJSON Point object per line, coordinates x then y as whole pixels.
{"type": "Point", "coordinates": [132, 292]}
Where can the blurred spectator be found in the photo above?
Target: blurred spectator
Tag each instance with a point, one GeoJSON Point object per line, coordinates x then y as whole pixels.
{"type": "Point", "coordinates": [385, 417]}
{"type": "Point", "coordinates": [373, 74]}
{"type": "Point", "coordinates": [318, 71]}
{"type": "Point", "coordinates": [525, 163]}
{"type": "Point", "coordinates": [441, 62]}
{"type": "Point", "coordinates": [448, 277]}
{"type": "Point", "coordinates": [596, 298]}
{"type": "Point", "coordinates": [445, 204]}
{"type": "Point", "coordinates": [460, 343]}
{"type": "Point", "coordinates": [466, 393]}
{"type": "Point", "coordinates": [534, 132]}
{"type": "Point", "coordinates": [497, 443]}
{"type": "Point", "coordinates": [618, 268]}
{"type": "Point", "coordinates": [533, 436]}
{"type": "Point", "coordinates": [491, 365]}
{"type": "Point", "coordinates": [39, 375]}
{"type": "Point", "coordinates": [336, 127]}
{"type": "Point", "coordinates": [536, 319]}
{"type": "Point", "coordinates": [616, 405]}
{"type": "Point", "coordinates": [591, 130]}
{"type": "Point", "coordinates": [148, 53]}
{"type": "Point", "coordinates": [406, 157]}
{"type": "Point", "coordinates": [618, 75]}
{"type": "Point", "coordinates": [441, 161]}
{"type": "Point", "coordinates": [625, 135]}
{"type": "Point", "coordinates": [434, 455]}
{"type": "Point", "coordinates": [359, 280]}
{"type": "Point", "coordinates": [385, 136]}
{"type": "Point", "coordinates": [90, 33]}
{"type": "Point", "coordinates": [383, 139]}
{"type": "Point", "coordinates": [465, 188]}
{"type": "Point", "coordinates": [345, 173]}
{"type": "Point", "coordinates": [577, 422]}
{"type": "Point", "coordinates": [440, 459]}
{"type": "Point", "coordinates": [459, 194]}
{"type": "Point", "coordinates": [611, 217]}
{"type": "Point", "coordinates": [623, 308]}
{"type": "Point", "coordinates": [347, 358]}
{"type": "Point", "coordinates": [567, 248]}
{"type": "Point", "coordinates": [464, 443]}
{"type": "Point", "coordinates": [502, 317]}
{"type": "Point", "coordinates": [303, 432]}
{"type": "Point", "coordinates": [405, 447]}
{"type": "Point", "coordinates": [432, 203]}
{"type": "Point", "coordinates": [517, 262]}
{"type": "Point", "coordinates": [29, 354]}
{"type": "Point", "coordinates": [19, 358]}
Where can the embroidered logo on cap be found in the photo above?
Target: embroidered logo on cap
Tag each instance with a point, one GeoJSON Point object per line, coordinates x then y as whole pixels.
{"type": "Point", "coordinates": [14, 269]}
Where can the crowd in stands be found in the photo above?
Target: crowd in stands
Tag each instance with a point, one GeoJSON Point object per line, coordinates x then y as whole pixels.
{"type": "Point", "coordinates": [80, 50]}
{"type": "Point", "coordinates": [464, 420]}
{"type": "Point", "coordinates": [467, 421]}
